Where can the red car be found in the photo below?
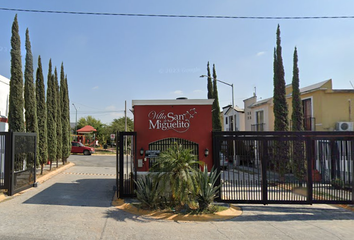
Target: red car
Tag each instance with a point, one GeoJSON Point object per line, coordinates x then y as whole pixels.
{"type": "Point", "coordinates": [78, 147]}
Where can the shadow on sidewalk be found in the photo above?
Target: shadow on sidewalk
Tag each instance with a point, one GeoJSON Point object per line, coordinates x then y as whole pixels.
{"type": "Point", "coordinates": [281, 213]}
{"type": "Point", "coordinates": [83, 192]}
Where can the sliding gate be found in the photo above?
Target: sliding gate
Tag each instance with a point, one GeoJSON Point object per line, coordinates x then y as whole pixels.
{"type": "Point", "coordinates": [285, 167]}
{"type": "Point", "coordinates": [126, 164]}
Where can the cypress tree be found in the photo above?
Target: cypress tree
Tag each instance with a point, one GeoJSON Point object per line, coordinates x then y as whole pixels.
{"type": "Point", "coordinates": [279, 100]}
{"type": "Point", "coordinates": [68, 115]}
{"type": "Point", "coordinates": [296, 116]}
{"type": "Point", "coordinates": [216, 107]}
{"type": "Point", "coordinates": [51, 119]}
{"type": "Point", "coordinates": [16, 122]}
{"type": "Point", "coordinates": [30, 99]}
{"type": "Point", "coordinates": [65, 116]}
{"type": "Point", "coordinates": [280, 109]}
{"type": "Point", "coordinates": [296, 122]}
{"type": "Point", "coordinates": [58, 117]}
{"type": "Point", "coordinates": [210, 83]}
{"type": "Point", "coordinates": [41, 116]}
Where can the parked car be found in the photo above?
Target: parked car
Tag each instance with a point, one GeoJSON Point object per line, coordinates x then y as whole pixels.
{"type": "Point", "coordinates": [78, 147]}
{"type": "Point", "coordinates": [223, 161]}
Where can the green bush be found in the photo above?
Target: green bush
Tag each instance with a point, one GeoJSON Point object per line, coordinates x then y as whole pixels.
{"type": "Point", "coordinates": [207, 190]}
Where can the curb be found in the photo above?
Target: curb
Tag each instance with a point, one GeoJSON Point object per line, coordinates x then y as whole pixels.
{"type": "Point", "coordinates": [231, 213]}
{"type": "Point", "coordinates": [48, 176]}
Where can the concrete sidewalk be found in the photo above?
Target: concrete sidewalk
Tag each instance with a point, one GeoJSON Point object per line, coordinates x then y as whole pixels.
{"type": "Point", "coordinates": [76, 204]}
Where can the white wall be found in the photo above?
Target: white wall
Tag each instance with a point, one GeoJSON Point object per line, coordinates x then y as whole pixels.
{"type": "Point", "coordinates": [4, 95]}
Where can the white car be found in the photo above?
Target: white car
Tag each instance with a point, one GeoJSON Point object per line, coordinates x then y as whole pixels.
{"type": "Point", "coordinates": [223, 161]}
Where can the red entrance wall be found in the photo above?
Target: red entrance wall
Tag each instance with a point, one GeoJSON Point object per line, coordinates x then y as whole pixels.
{"type": "Point", "coordinates": [190, 122]}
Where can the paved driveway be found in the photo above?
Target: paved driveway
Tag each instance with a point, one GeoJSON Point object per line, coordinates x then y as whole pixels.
{"type": "Point", "coordinates": [76, 204]}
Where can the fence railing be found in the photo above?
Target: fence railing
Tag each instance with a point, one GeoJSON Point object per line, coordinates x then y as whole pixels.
{"type": "Point", "coordinates": [286, 167]}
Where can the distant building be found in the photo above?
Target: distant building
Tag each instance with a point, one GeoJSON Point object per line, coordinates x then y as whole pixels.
{"type": "Point", "coordinates": [233, 118]}
{"type": "Point", "coordinates": [4, 102]}
{"type": "Point", "coordinates": [324, 109]}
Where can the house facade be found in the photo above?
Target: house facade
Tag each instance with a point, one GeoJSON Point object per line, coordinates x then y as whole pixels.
{"type": "Point", "coordinates": [233, 118]}
{"type": "Point", "coordinates": [324, 109]}
{"type": "Point", "coordinates": [4, 102]}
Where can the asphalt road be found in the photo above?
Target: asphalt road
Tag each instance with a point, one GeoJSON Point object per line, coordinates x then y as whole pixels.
{"type": "Point", "coordinates": [76, 204]}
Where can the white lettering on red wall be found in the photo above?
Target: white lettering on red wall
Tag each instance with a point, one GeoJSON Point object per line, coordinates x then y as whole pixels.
{"type": "Point", "coordinates": [171, 121]}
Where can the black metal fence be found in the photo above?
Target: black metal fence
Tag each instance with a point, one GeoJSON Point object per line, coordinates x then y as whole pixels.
{"type": "Point", "coordinates": [17, 161]}
{"type": "Point", "coordinates": [126, 171]}
{"type": "Point", "coordinates": [285, 167]}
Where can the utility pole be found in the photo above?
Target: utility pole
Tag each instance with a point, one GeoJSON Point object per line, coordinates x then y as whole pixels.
{"type": "Point", "coordinates": [76, 119]}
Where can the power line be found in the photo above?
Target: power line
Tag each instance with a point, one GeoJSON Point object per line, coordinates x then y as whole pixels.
{"type": "Point", "coordinates": [177, 15]}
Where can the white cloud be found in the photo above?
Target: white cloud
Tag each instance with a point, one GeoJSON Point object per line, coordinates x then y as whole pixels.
{"type": "Point", "coordinates": [178, 92]}
{"type": "Point", "coordinates": [94, 88]}
{"type": "Point", "coordinates": [198, 91]}
{"type": "Point", "coordinates": [260, 53]}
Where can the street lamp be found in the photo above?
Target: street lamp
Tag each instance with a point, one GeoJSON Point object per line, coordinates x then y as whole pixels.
{"type": "Point", "coordinates": [229, 84]}
{"type": "Point", "coordinates": [76, 119]}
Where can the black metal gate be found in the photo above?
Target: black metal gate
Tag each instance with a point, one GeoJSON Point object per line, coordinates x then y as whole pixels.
{"type": "Point", "coordinates": [285, 167]}
{"type": "Point", "coordinates": [17, 161]}
{"type": "Point", "coordinates": [126, 164]}
{"type": "Point", "coordinates": [164, 144]}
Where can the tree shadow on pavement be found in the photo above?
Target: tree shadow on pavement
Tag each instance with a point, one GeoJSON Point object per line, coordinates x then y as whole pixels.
{"type": "Point", "coordinates": [83, 192]}
{"type": "Point", "coordinates": [293, 213]}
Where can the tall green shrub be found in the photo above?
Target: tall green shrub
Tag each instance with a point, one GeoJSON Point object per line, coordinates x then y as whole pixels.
{"type": "Point", "coordinates": [65, 116]}
{"type": "Point", "coordinates": [298, 161]}
{"type": "Point", "coordinates": [41, 116]}
{"type": "Point", "coordinates": [58, 117]}
{"type": "Point", "coordinates": [51, 116]}
{"type": "Point", "coordinates": [216, 107]}
{"type": "Point", "coordinates": [280, 108]}
{"type": "Point", "coordinates": [16, 122]}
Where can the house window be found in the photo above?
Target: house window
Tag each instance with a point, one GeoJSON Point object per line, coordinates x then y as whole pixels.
{"type": "Point", "coordinates": [307, 112]}
{"type": "Point", "coordinates": [226, 120]}
{"type": "Point", "coordinates": [259, 121]}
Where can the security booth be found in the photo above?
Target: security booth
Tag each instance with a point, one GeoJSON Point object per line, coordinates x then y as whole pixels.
{"type": "Point", "coordinates": [160, 123]}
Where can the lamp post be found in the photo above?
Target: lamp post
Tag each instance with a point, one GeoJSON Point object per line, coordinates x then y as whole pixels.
{"type": "Point", "coordinates": [233, 107]}
{"type": "Point", "coordinates": [76, 119]}
{"type": "Point", "coordinates": [229, 84]}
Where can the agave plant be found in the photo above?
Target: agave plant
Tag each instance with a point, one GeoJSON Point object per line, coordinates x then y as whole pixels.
{"type": "Point", "coordinates": [147, 191]}
{"type": "Point", "coordinates": [207, 190]}
{"type": "Point", "coordinates": [177, 169]}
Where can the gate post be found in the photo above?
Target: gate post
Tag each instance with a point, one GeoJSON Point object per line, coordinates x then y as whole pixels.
{"type": "Point", "coordinates": [352, 154]}
{"type": "Point", "coordinates": [309, 158]}
{"type": "Point", "coordinates": [264, 164]}
{"type": "Point", "coordinates": [216, 161]}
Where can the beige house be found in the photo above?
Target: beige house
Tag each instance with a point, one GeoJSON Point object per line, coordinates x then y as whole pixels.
{"type": "Point", "coordinates": [324, 109]}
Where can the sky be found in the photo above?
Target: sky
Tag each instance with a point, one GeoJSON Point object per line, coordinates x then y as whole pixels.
{"type": "Point", "coordinates": [112, 59]}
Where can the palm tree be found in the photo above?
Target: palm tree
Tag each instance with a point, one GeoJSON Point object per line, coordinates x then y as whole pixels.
{"type": "Point", "coordinates": [177, 170]}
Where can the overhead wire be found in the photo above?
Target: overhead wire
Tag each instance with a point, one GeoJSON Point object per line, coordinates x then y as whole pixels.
{"type": "Point", "coordinates": [178, 15]}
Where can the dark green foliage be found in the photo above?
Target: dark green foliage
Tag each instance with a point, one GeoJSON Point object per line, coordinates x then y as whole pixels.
{"type": "Point", "coordinates": [65, 116]}
{"type": "Point", "coordinates": [216, 107]}
{"type": "Point", "coordinates": [210, 83]}
{"type": "Point", "coordinates": [16, 122]}
{"type": "Point", "coordinates": [51, 116]}
{"type": "Point", "coordinates": [58, 117]}
{"type": "Point", "coordinates": [207, 191]}
{"type": "Point", "coordinates": [147, 192]}
{"type": "Point", "coordinates": [296, 116]}
{"type": "Point", "coordinates": [30, 97]}
{"type": "Point", "coordinates": [279, 100]}
{"type": "Point", "coordinates": [30, 100]}
{"type": "Point", "coordinates": [41, 116]}
{"type": "Point", "coordinates": [177, 170]}
{"type": "Point", "coordinates": [280, 109]}
{"type": "Point", "coordinates": [298, 162]}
